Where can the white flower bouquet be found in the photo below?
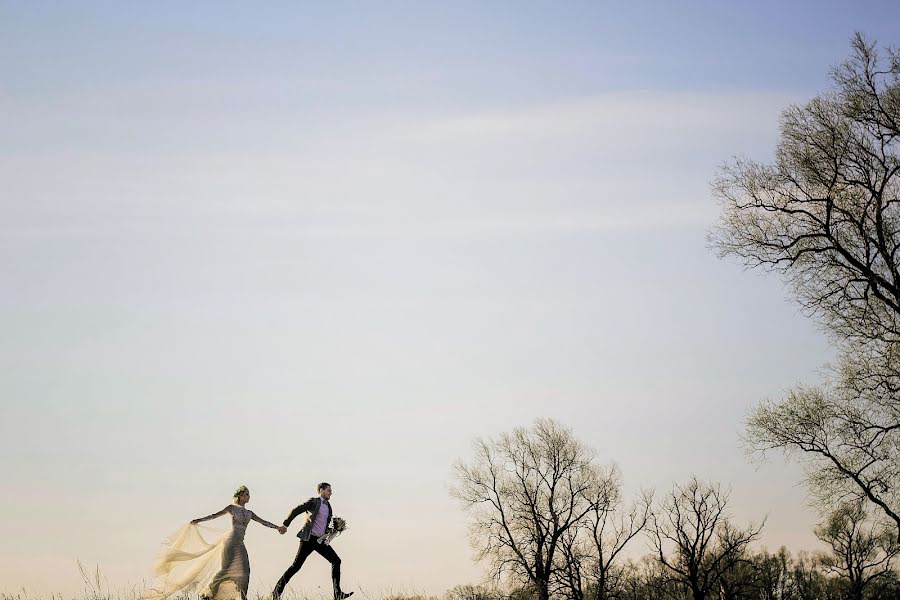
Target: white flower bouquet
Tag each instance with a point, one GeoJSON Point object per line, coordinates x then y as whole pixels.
{"type": "Point", "coordinates": [338, 526]}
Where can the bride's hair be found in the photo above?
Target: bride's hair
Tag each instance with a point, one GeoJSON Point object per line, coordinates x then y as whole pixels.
{"type": "Point", "coordinates": [241, 490]}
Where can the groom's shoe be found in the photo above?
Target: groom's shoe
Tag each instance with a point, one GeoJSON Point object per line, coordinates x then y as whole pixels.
{"type": "Point", "coordinates": [338, 594]}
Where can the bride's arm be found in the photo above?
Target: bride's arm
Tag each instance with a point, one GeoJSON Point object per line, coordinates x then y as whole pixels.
{"type": "Point", "coordinates": [266, 523]}
{"type": "Point", "coordinates": [213, 516]}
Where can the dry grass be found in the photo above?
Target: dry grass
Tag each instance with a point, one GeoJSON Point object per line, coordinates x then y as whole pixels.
{"type": "Point", "coordinates": [96, 587]}
{"type": "Point", "coordinates": [120, 595]}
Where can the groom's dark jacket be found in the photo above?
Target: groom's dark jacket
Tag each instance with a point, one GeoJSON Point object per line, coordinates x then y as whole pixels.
{"type": "Point", "coordinates": [311, 506]}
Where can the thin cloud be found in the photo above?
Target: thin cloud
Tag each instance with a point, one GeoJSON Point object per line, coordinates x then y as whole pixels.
{"type": "Point", "coordinates": [628, 116]}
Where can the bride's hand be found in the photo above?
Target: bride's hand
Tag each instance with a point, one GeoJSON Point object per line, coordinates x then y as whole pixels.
{"type": "Point", "coordinates": [195, 521]}
{"type": "Point", "coordinates": [282, 529]}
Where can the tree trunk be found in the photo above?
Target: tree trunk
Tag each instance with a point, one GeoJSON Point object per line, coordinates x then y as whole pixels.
{"type": "Point", "coordinates": [697, 593]}
{"type": "Point", "coordinates": [601, 585]}
{"type": "Point", "coordinates": [543, 589]}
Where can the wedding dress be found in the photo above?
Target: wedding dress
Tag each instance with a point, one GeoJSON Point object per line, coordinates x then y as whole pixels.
{"type": "Point", "coordinates": [190, 564]}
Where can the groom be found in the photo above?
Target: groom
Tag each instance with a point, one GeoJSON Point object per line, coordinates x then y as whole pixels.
{"type": "Point", "coordinates": [319, 519]}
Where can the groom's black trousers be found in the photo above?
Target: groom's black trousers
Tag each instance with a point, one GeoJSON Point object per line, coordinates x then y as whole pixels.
{"type": "Point", "coordinates": [305, 549]}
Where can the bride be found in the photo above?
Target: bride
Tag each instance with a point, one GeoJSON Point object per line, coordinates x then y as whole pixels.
{"type": "Point", "coordinates": [188, 562]}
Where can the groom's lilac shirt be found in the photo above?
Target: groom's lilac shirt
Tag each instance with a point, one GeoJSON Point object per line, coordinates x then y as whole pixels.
{"type": "Point", "coordinates": [318, 527]}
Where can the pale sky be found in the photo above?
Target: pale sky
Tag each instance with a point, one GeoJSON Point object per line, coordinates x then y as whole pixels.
{"type": "Point", "coordinates": [280, 245]}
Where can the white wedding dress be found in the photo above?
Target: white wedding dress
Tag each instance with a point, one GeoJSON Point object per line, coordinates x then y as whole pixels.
{"type": "Point", "coordinates": [219, 569]}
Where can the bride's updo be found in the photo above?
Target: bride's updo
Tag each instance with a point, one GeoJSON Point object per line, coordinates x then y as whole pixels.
{"type": "Point", "coordinates": [243, 489]}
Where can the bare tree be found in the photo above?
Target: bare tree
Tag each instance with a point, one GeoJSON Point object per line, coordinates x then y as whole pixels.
{"type": "Point", "coordinates": [826, 216]}
{"type": "Point", "coordinates": [694, 539]}
{"type": "Point", "coordinates": [524, 492]}
{"type": "Point", "coordinates": [826, 213]}
{"type": "Point", "coordinates": [862, 551]}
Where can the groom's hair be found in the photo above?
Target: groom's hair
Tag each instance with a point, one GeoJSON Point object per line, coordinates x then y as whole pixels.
{"type": "Point", "coordinates": [322, 486]}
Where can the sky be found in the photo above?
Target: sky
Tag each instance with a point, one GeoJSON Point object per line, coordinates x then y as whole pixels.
{"type": "Point", "coordinates": [275, 245]}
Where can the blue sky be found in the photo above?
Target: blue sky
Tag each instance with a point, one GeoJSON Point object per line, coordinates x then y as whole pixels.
{"type": "Point", "coordinates": [274, 245]}
{"type": "Point", "coordinates": [461, 52]}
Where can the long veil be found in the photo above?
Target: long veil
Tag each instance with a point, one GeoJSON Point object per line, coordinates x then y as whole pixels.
{"type": "Point", "coordinates": [187, 562]}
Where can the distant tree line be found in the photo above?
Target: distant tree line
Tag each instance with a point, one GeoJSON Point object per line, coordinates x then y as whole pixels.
{"type": "Point", "coordinates": [552, 523]}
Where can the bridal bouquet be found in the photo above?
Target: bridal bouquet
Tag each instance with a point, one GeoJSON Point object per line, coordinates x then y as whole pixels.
{"type": "Point", "coordinates": [338, 526]}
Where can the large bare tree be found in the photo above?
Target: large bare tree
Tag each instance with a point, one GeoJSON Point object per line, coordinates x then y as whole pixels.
{"type": "Point", "coordinates": [695, 540]}
{"type": "Point", "coordinates": [524, 492]}
{"type": "Point", "coordinates": [826, 215]}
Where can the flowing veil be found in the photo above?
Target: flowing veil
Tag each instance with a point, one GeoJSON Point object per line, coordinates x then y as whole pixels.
{"type": "Point", "coordinates": [187, 562]}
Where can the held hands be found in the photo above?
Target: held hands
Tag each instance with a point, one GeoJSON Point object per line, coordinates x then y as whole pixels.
{"type": "Point", "coordinates": [281, 529]}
